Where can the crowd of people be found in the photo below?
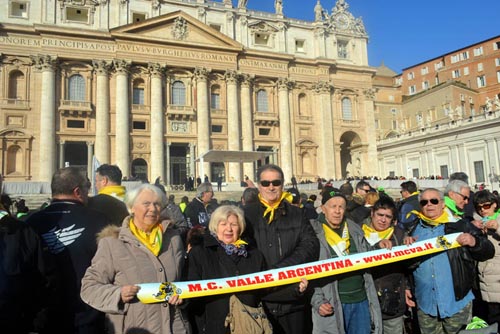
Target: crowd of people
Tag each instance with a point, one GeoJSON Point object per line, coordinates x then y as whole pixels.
{"type": "Point", "coordinates": [74, 265]}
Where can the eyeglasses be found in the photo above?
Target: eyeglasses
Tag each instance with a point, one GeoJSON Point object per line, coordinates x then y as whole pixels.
{"type": "Point", "coordinates": [266, 183]}
{"type": "Point", "coordinates": [424, 202]}
{"type": "Point", "coordinates": [485, 206]}
{"type": "Point", "coordinates": [465, 198]}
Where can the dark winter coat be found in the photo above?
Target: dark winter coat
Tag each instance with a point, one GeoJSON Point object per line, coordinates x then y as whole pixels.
{"type": "Point", "coordinates": [288, 240]}
{"type": "Point", "coordinates": [114, 209]}
{"type": "Point", "coordinates": [196, 213]}
{"type": "Point", "coordinates": [209, 260]}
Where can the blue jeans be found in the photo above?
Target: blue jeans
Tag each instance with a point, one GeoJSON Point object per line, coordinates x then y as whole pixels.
{"type": "Point", "coordinates": [357, 318]}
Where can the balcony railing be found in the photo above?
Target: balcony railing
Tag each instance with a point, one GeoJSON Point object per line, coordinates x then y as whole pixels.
{"type": "Point", "coordinates": [15, 103]}
{"type": "Point", "coordinates": [141, 108]}
{"type": "Point", "coordinates": [180, 112]}
{"type": "Point", "coordinates": [75, 105]}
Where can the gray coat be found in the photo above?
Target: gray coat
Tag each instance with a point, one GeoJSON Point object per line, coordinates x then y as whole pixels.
{"type": "Point", "coordinates": [122, 260]}
{"type": "Point", "coordinates": [335, 324]}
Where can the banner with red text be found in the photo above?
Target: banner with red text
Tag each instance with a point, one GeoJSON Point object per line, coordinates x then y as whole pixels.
{"type": "Point", "coordinates": [159, 292]}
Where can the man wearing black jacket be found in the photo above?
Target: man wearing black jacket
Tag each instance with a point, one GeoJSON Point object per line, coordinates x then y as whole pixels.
{"type": "Point", "coordinates": [286, 238]}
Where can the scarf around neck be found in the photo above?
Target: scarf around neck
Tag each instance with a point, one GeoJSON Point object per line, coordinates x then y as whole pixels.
{"type": "Point", "coordinates": [270, 209]}
{"type": "Point", "coordinates": [239, 247]}
{"type": "Point", "coordinates": [373, 236]}
{"type": "Point", "coordinates": [152, 240]}
{"type": "Point", "coordinates": [339, 244]}
{"type": "Point", "coordinates": [450, 204]}
{"type": "Point", "coordinates": [114, 191]}
{"type": "Point", "coordinates": [493, 217]}
{"type": "Point", "coordinates": [446, 217]}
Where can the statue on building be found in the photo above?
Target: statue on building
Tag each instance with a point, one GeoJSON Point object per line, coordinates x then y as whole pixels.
{"type": "Point", "coordinates": [428, 120]}
{"type": "Point", "coordinates": [402, 127]}
{"type": "Point", "coordinates": [242, 3]}
{"type": "Point", "coordinates": [489, 104]}
{"type": "Point", "coordinates": [458, 112]}
{"type": "Point", "coordinates": [497, 102]}
{"type": "Point", "coordinates": [318, 12]}
{"type": "Point", "coordinates": [359, 26]}
{"type": "Point", "coordinates": [278, 7]}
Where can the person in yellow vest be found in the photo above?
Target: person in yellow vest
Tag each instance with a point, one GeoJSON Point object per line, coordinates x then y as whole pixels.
{"type": "Point", "coordinates": [347, 303]}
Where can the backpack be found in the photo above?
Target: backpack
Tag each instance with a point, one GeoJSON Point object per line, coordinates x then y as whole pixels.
{"type": "Point", "coordinates": [246, 319]}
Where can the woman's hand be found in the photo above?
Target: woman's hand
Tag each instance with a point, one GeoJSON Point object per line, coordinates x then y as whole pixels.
{"type": "Point", "coordinates": [325, 309]}
{"type": "Point", "coordinates": [384, 243]}
{"type": "Point", "coordinates": [478, 223]}
{"type": "Point", "coordinates": [303, 285]}
{"type": "Point", "coordinates": [491, 225]}
{"type": "Point", "coordinates": [409, 240]}
{"type": "Point", "coordinates": [129, 292]}
{"type": "Point", "coordinates": [175, 300]}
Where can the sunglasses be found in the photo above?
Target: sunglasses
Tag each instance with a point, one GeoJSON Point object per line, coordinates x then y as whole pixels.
{"type": "Point", "coordinates": [465, 198]}
{"type": "Point", "coordinates": [266, 183]}
{"type": "Point", "coordinates": [484, 206]}
{"type": "Point", "coordinates": [424, 202]}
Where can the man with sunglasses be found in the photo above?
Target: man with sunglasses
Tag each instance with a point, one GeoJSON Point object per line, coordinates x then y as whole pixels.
{"type": "Point", "coordinates": [457, 197]}
{"type": "Point", "coordinates": [281, 232]}
{"type": "Point", "coordinates": [443, 281]}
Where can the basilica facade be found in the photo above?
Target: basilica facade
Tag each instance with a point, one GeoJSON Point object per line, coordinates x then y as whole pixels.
{"type": "Point", "coordinates": [153, 85]}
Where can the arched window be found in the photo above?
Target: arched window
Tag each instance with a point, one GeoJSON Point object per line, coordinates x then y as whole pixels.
{"type": "Point", "coordinates": [262, 103]}
{"type": "Point", "coordinates": [178, 93]}
{"type": "Point", "coordinates": [215, 97]}
{"type": "Point", "coordinates": [138, 92]}
{"type": "Point", "coordinates": [346, 108]}
{"type": "Point", "coordinates": [16, 85]}
{"type": "Point", "coordinates": [76, 88]}
{"type": "Point", "coordinates": [303, 104]}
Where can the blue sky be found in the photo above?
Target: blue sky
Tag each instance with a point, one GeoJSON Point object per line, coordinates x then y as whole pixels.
{"type": "Point", "coordinates": [404, 33]}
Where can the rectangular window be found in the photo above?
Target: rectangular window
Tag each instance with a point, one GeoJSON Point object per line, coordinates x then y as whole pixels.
{"type": "Point", "coordinates": [481, 81]}
{"type": "Point", "coordinates": [216, 26]}
{"type": "Point", "coordinates": [497, 62]}
{"type": "Point", "coordinates": [411, 76]}
{"type": "Point", "coordinates": [498, 76]}
{"type": "Point", "coordinates": [392, 174]}
{"type": "Point", "coordinates": [424, 70]}
{"type": "Point", "coordinates": [19, 9]}
{"type": "Point", "coordinates": [75, 124]}
{"type": "Point", "coordinates": [139, 125]}
{"type": "Point", "coordinates": [215, 101]}
{"type": "Point", "coordinates": [138, 96]}
{"type": "Point", "coordinates": [425, 85]}
{"type": "Point", "coordinates": [342, 49]}
{"type": "Point", "coordinates": [261, 39]}
{"type": "Point", "coordinates": [264, 131]}
{"type": "Point", "coordinates": [496, 45]}
{"type": "Point", "coordinates": [216, 128]}
{"type": "Point", "coordinates": [466, 70]}
{"type": "Point", "coordinates": [377, 124]}
{"type": "Point", "coordinates": [299, 45]}
{"type": "Point", "coordinates": [480, 67]}
{"type": "Point", "coordinates": [454, 59]}
{"type": "Point", "coordinates": [394, 111]}
{"type": "Point", "coordinates": [394, 125]}
{"type": "Point", "coordinates": [455, 74]}
{"type": "Point", "coordinates": [412, 90]}
{"type": "Point", "coordinates": [478, 51]}
{"type": "Point", "coordinates": [77, 14]}
{"type": "Point", "coordinates": [479, 171]}
{"type": "Point", "coordinates": [444, 171]}
{"type": "Point", "coordinates": [464, 55]}
{"type": "Point", "coordinates": [439, 65]}
{"type": "Point", "coordinates": [416, 173]}
{"type": "Point", "coordinates": [138, 17]}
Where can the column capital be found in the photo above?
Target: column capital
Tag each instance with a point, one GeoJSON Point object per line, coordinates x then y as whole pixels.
{"type": "Point", "coordinates": [101, 67]}
{"type": "Point", "coordinates": [201, 73]}
{"type": "Point", "coordinates": [323, 87]}
{"type": "Point", "coordinates": [247, 79]}
{"type": "Point", "coordinates": [44, 62]}
{"type": "Point", "coordinates": [231, 76]}
{"type": "Point", "coordinates": [285, 84]}
{"type": "Point", "coordinates": [156, 70]}
{"type": "Point", "coordinates": [370, 93]}
{"type": "Point", "coordinates": [122, 66]}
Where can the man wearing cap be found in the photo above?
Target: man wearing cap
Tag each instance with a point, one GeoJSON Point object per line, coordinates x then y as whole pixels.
{"type": "Point", "coordinates": [281, 232]}
{"type": "Point", "coordinates": [199, 210]}
{"type": "Point", "coordinates": [348, 304]}
{"type": "Point", "coordinates": [443, 281]}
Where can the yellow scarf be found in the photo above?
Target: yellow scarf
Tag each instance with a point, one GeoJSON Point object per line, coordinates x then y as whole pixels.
{"type": "Point", "coordinates": [270, 209]}
{"type": "Point", "coordinates": [340, 245]}
{"type": "Point", "coordinates": [373, 236]}
{"type": "Point", "coordinates": [446, 217]}
{"type": "Point", "coordinates": [152, 240]}
{"type": "Point", "coordinates": [115, 191]}
{"type": "Point", "coordinates": [238, 243]}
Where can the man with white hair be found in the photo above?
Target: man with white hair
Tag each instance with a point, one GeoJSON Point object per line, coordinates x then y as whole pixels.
{"type": "Point", "coordinates": [201, 207]}
{"type": "Point", "coordinates": [457, 196]}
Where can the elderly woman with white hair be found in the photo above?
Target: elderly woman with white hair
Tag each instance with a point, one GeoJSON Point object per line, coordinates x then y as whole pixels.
{"type": "Point", "coordinates": [144, 250]}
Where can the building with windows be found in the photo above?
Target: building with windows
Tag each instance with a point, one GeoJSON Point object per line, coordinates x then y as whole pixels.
{"type": "Point", "coordinates": [152, 85]}
{"type": "Point", "coordinates": [449, 116]}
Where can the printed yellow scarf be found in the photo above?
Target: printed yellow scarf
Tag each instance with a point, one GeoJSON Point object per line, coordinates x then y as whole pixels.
{"type": "Point", "coordinates": [115, 191]}
{"type": "Point", "coordinates": [340, 245]}
{"type": "Point", "coordinates": [152, 240]}
{"type": "Point", "coordinates": [373, 236]}
{"type": "Point", "coordinates": [446, 217]}
{"type": "Point", "coordinates": [270, 209]}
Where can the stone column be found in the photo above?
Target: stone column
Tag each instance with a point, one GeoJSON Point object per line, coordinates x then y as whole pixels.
{"type": "Point", "coordinates": [323, 90]}
{"type": "Point", "coordinates": [247, 122]}
{"type": "Point", "coordinates": [371, 154]}
{"type": "Point", "coordinates": [102, 121]}
{"type": "Point", "coordinates": [284, 84]}
{"type": "Point", "coordinates": [157, 121]}
{"type": "Point", "coordinates": [47, 166]}
{"type": "Point", "coordinates": [233, 122]}
{"type": "Point", "coordinates": [192, 166]}
{"type": "Point", "coordinates": [122, 137]}
{"type": "Point", "coordinates": [168, 173]}
{"type": "Point", "coordinates": [203, 121]}
{"type": "Point", "coordinates": [90, 153]}
{"type": "Point", "coordinates": [61, 154]}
